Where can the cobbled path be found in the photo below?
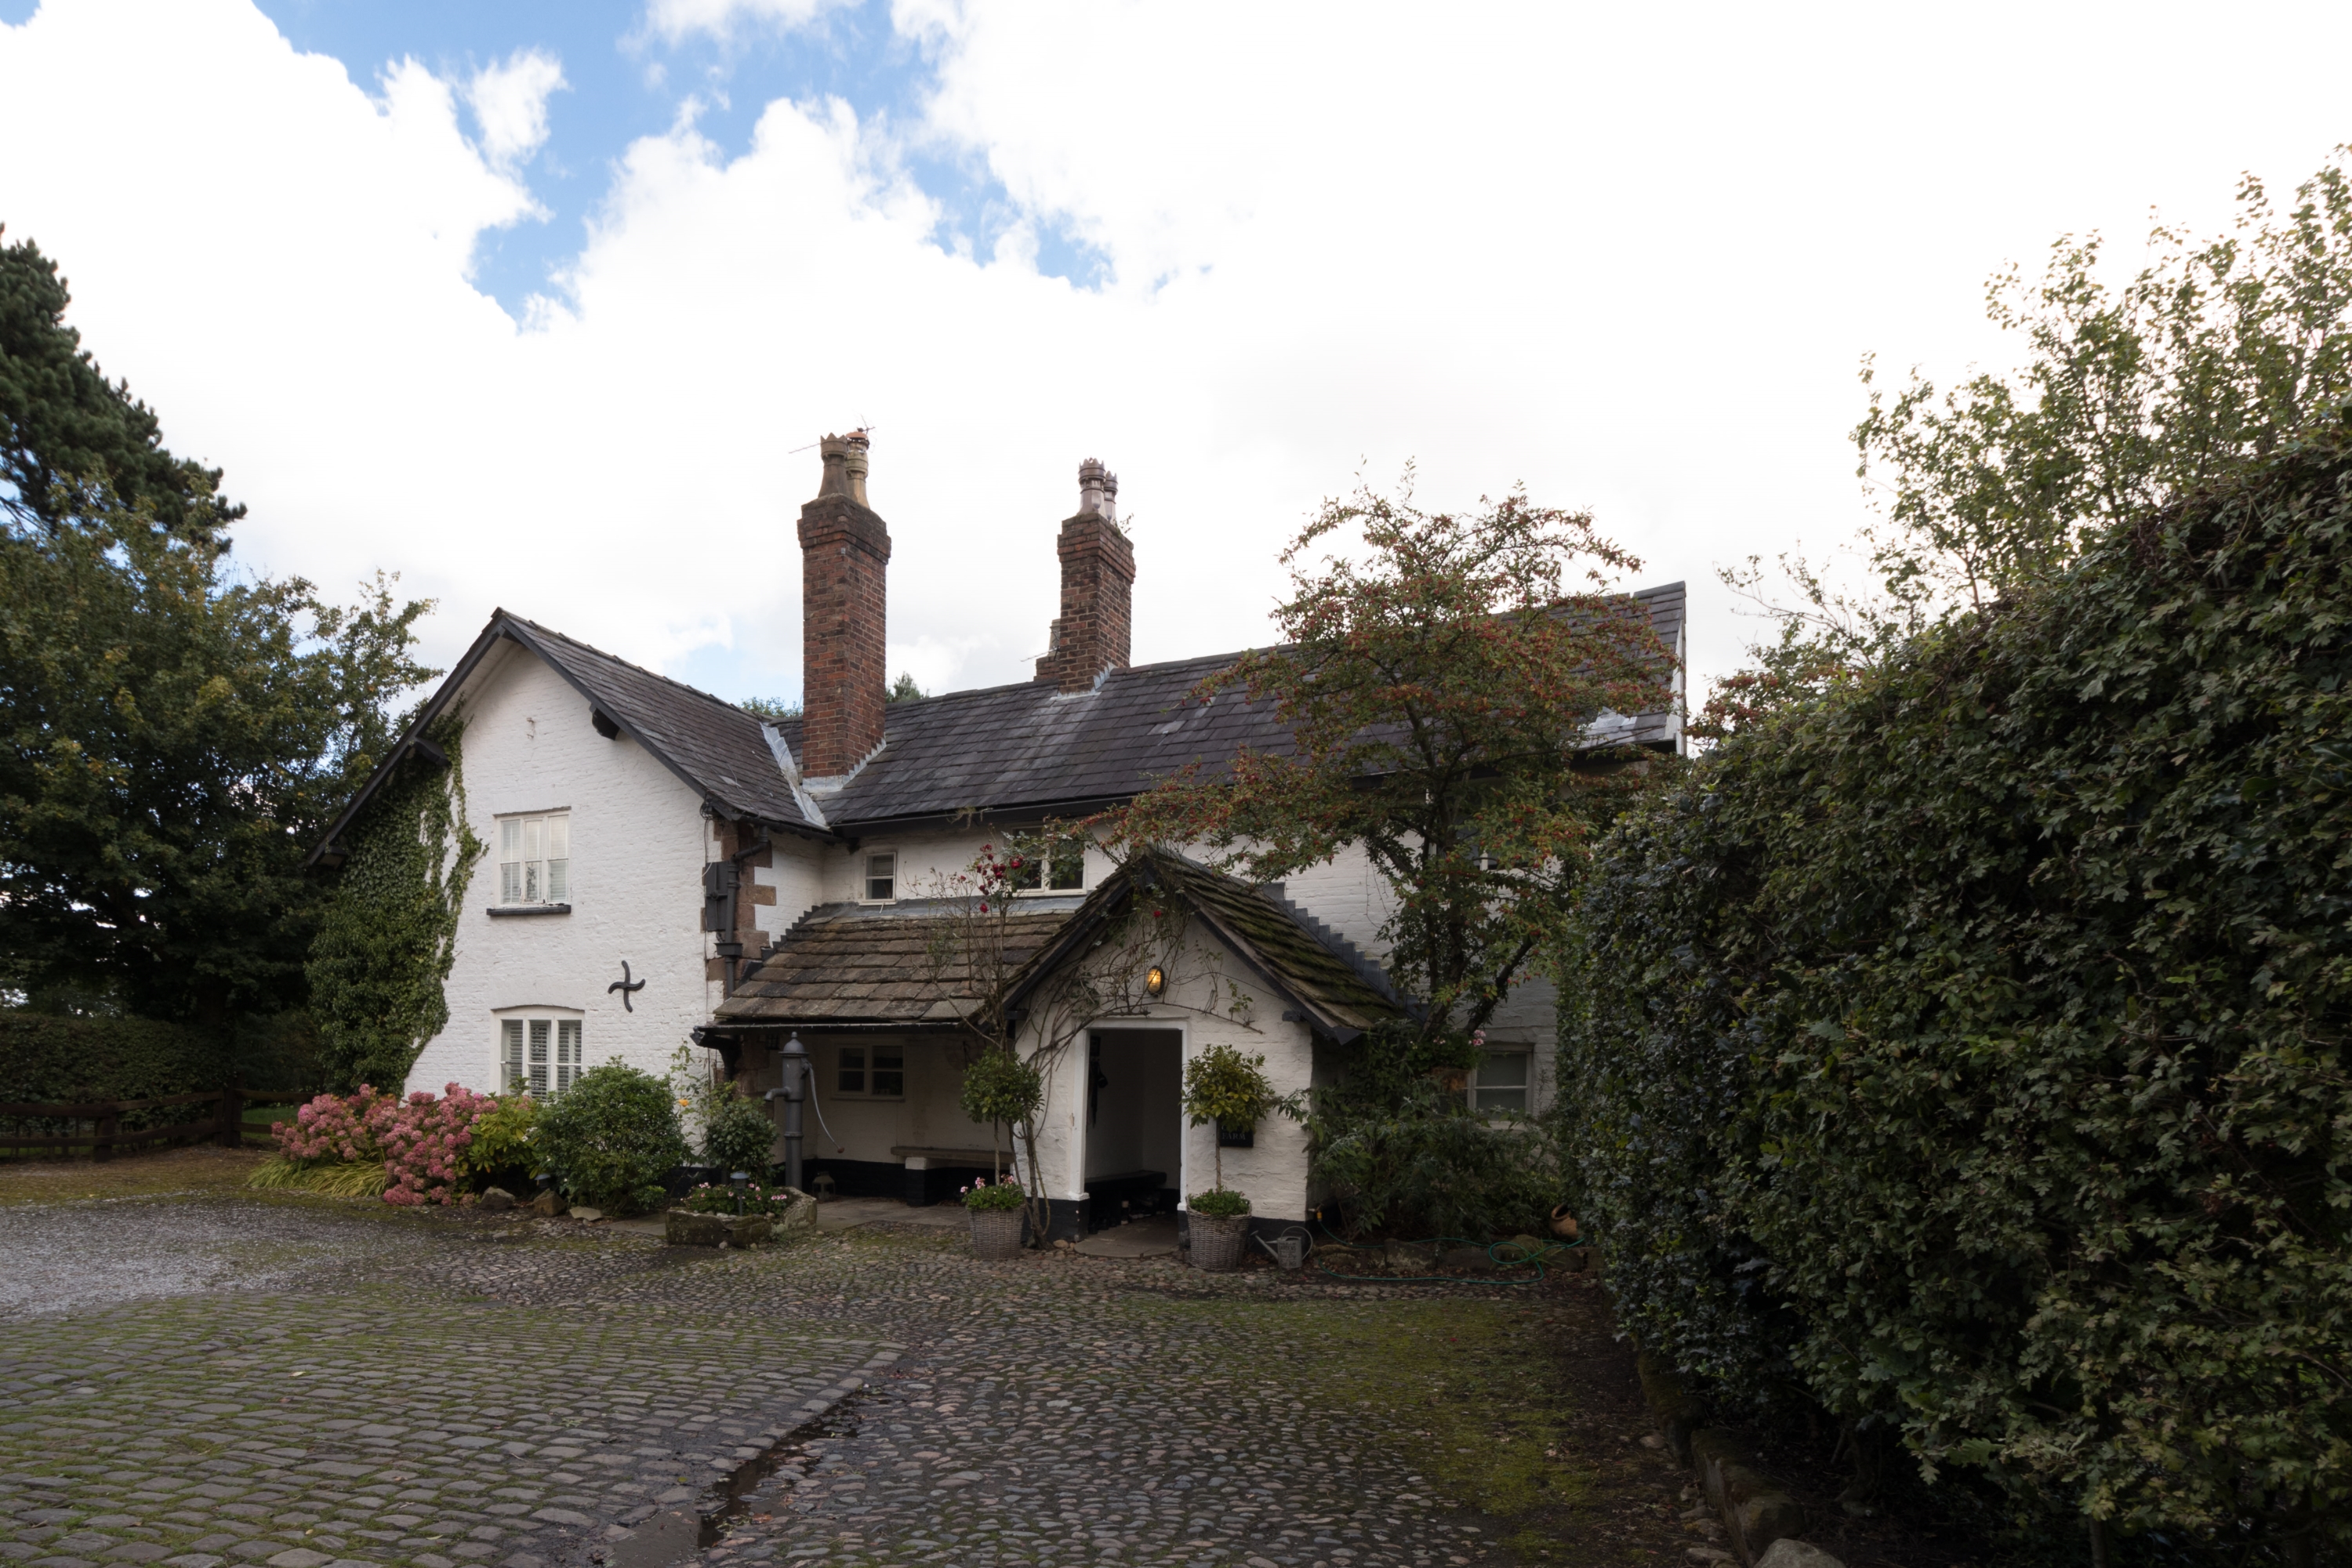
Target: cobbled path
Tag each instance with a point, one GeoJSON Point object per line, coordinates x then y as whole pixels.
{"type": "Point", "coordinates": [439, 1390]}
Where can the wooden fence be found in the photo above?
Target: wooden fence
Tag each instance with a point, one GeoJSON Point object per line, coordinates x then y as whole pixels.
{"type": "Point", "coordinates": [225, 1126]}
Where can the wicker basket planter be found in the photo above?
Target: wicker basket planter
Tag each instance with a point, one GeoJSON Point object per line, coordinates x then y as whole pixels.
{"type": "Point", "coordinates": [1217, 1243]}
{"type": "Point", "coordinates": [996, 1233]}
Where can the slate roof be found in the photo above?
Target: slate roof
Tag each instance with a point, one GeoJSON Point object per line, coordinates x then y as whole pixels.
{"type": "Point", "coordinates": [847, 964]}
{"type": "Point", "coordinates": [1009, 750]}
{"type": "Point", "coordinates": [1028, 747]}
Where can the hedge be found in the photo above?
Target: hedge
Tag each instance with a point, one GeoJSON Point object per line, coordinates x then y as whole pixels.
{"type": "Point", "coordinates": [1967, 1049]}
{"type": "Point", "coordinates": [48, 1059]}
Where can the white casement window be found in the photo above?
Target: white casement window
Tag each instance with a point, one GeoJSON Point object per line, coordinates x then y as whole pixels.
{"type": "Point", "coordinates": [535, 859]}
{"type": "Point", "coordinates": [1060, 868]}
{"type": "Point", "coordinates": [1500, 1082]}
{"type": "Point", "coordinates": [870, 1072]}
{"type": "Point", "coordinates": [540, 1055]}
{"type": "Point", "coordinates": [881, 877]}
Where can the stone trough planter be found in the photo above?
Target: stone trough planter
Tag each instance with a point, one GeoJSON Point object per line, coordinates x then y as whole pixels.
{"type": "Point", "coordinates": [682, 1227]}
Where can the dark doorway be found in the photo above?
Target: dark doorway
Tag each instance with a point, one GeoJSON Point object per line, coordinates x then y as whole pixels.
{"type": "Point", "coordinates": [1135, 1136]}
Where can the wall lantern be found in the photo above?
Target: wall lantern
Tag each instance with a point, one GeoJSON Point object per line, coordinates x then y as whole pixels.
{"type": "Point", "coordinates": [1155, 980]}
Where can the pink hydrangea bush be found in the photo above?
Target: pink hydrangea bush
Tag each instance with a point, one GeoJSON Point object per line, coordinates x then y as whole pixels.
{"type": "Point", "coordinates": [338, 1128]}
{"type": "Point", "coordinates": [420, 1141]}
{"type": "Point", "coordinates": [426, 1147]}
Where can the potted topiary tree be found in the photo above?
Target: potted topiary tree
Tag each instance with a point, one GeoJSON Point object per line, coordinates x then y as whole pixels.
{"type": "Point", "coordinates": [996, 1216]}
{"type": "Point", "coordinates": [1000, 1090]}
{"type": "Point", "coordinates": [1228, 1091]}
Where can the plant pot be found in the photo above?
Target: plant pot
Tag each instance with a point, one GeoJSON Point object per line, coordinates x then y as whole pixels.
{"type": "Point", "coordinates": [1563, 1224]}
{"type": "Point", "coordinates": [681, 1227]}
{"type": "Point", "coordinates": [996, 1233]}
{"type": "Point", "coordinates": [1217, 1243]}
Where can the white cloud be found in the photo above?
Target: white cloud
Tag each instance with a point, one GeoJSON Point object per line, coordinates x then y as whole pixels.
{"type": "Point", "coordinates": [510, 105]}
{"type": "Point", "coordinates": [1631, 258]}
{"type": "Point", "coordinates": [674, 19]}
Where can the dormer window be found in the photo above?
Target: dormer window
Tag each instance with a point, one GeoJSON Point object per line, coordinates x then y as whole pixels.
{"type": "Point", "coordinates": [882, 877]}
{"type": "Point", "coordinates": [535, 859]}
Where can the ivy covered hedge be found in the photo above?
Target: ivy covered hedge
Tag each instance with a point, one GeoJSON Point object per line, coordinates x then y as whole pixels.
{"type": "Point", "coordinates": [1968, 1049]}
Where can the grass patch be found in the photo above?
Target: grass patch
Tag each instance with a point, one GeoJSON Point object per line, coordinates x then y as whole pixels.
{"type": "Point", "coordinates": [200, 1169]}
{"type": "Point", "coordinates": [357, 1179]}
{"type": "Point", "coordinates": [1465, 1387]}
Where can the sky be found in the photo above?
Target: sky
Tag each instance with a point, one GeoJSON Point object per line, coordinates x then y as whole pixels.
{"type": "Point", "coordinates": [544, 305]}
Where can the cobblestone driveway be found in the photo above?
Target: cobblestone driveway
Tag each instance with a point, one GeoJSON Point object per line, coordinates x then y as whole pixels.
{"type": "Point", "coordinates": [337, 1388]}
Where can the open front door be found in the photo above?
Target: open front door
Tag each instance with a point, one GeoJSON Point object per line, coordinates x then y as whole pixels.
{"type": "Point", "coordinates": [1135, 1133]}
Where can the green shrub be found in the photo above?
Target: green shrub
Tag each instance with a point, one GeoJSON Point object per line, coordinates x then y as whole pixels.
{"type": "Point", "coordinates": [1967, 1048]}
{"type": "Point", "coordinates": [739, 1135]}
{"type": "Point", "coordinates": [1397, 1148]}
{"type": "Point", "coordinates": [505, 1150]}
{"type": "Point", "coordinates": [1217, 1202]}
{"type": "Point", "coordinates": [612, 1138]}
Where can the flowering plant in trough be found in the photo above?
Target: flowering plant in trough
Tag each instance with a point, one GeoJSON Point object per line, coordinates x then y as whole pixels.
{"type": "Point", "coordinates": [752, 1198]}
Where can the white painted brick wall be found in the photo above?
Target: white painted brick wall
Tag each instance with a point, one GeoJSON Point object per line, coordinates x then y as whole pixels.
{"type": "Point", "coordinates": [638, 845]}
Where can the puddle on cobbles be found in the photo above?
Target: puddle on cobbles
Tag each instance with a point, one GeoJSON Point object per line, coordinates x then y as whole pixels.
{"type": "Point", "coordinates": [677, 1532]}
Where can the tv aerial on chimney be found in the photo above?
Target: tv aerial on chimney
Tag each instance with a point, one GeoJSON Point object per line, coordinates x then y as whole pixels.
{"type": "Point", "coordinates": [812, 445]}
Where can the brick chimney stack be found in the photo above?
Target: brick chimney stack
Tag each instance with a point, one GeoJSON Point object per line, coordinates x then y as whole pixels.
{"type": "Point", "coordinates": [844, 558]}
{"type": "Point", "coordinates": [1098, 583]}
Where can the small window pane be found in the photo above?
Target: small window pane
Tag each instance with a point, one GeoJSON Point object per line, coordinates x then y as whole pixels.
{"type": "Point", "coordinates": [567, 1053]}
{"type": "Point", "coordinates": [1069, 866]}
{"type": "Point", "coordinates": [510, 882]}
{"type": "Point", "coordinates": [559, 880]}
{"type": "Point", "coordinates": [558, 837]}
{"type": "Point", "coordinates": [539, 1057]}
{"type": "Point", "coordinates": [890, 1071]}
{"type": "Point", "coordinates": [510, 839]}
{"type": "Point", "coordinates": [510, 1055]}
{"type": "Point", "coordinates": [1027, 872]}
{"type": "Point", "coordinates": [881, 878]}
{"type": "Point", "coordinates": [1502, 1081]}
{"type": "Point", "coordinates": [852, 1069]}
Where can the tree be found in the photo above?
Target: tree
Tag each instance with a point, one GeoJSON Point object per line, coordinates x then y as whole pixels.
{"type": "Point", "coordinates": [2215, 352]}
{"type": "Point", "coordinates": [1438, 698]}
{"type": "Point", "coordinates": [63, 425]}
{"type": "Point", "coordinates": [172, 741]}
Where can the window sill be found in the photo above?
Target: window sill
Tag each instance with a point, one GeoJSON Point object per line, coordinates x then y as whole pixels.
{"type": "Point", "coordinates": [498, 911]}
